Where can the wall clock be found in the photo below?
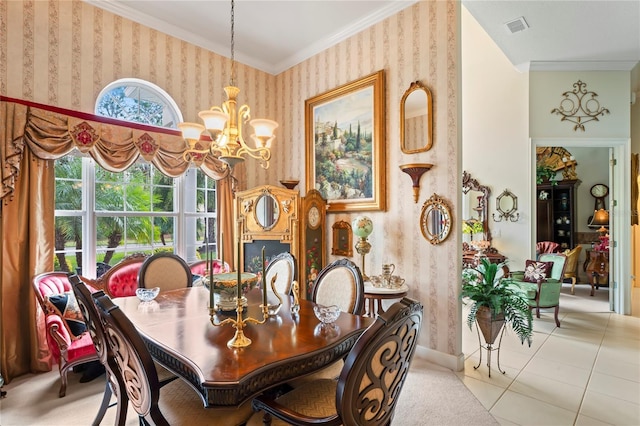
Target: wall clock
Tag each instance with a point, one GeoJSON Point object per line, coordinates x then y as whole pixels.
{"type": "Point", "coordinates": [599, 191]}
{"type": "Point", "coordinates": [313, 209]}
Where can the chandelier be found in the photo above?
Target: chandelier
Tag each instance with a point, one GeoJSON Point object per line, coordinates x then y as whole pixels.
{"type": "Point", "coordinates": [224, 126]}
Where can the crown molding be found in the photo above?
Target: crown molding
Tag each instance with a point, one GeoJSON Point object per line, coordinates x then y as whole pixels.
{"type": "Point", "coordinates": [577, 66]}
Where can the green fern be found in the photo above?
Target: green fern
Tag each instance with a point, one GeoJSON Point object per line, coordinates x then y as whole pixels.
{"type": "Point", "coordinates": [482, 286]}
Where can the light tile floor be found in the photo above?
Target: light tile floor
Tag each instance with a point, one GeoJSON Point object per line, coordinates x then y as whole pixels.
{"type": "Point", "coordinates": [587, 372]}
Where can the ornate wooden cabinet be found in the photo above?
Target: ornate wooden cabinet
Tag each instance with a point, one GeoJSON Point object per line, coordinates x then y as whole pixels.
{"type": "Point", "coordinates": [556, 213]}
{"type": "Point", "coordinates": [266, 216]}
{"type": "Point", "coordinates": [313, 211]}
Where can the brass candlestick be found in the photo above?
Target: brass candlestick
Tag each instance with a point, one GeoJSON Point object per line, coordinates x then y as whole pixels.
{"type": "Point", "coordinates": [239, 340]}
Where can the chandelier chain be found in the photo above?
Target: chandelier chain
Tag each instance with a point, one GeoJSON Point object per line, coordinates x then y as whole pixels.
{"type": "Point", "coordinates": [233, 43]}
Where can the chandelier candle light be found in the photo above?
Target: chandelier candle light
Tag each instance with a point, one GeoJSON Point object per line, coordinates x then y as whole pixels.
{"type": "Point", "coordinates": [224, 125]}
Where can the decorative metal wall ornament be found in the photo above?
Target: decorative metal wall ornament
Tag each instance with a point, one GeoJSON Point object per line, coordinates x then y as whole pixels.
{"type": "Point", "coordinates": [580, 106]}
{"type": "Point", "coordinates": [506, 205]}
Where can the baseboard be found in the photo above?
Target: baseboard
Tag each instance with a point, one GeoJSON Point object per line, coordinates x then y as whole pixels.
{"type": "Point", "coordinates": [452, 362]}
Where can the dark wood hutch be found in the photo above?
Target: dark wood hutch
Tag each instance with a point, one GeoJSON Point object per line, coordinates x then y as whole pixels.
{"type": "Point", "coordinates": [556, 212]}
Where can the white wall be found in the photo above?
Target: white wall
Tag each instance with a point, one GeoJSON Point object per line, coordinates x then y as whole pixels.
{"type": "Point", "coordinates": [495, 133]}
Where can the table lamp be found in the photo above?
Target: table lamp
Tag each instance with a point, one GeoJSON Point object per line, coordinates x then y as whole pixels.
{"type": "Point", "coordinates": [600, 218]}
{"type": "Point", "coordinates": [362, 227]}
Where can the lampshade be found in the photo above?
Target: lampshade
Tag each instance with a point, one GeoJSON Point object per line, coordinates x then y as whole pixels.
{"type": "Point", "coordinates": [600, 218]}
{"type": "Point", "coordinates": [362, 226]}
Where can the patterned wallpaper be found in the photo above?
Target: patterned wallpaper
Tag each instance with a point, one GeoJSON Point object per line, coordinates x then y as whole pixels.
{"type": "Point", "coordinates": [64, 52]}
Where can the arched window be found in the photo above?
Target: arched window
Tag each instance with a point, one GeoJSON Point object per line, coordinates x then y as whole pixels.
{"type": "Point", "coordinates": [138, 101]}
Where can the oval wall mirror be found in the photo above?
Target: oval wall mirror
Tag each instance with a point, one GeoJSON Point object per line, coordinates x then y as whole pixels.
{"type": "Point", "coordinates": [435, 220]}
{"type": "Point", "coordinates": [267, 211]}
{"type": "Point", "coordinates": [416, 119]}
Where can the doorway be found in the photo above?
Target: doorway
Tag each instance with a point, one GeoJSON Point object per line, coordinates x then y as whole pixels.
{"type": "Point", "coordinates": [619, 209]}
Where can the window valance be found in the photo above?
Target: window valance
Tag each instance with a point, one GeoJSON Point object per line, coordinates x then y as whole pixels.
{"type": "Point", "coordinates": [51, 132]}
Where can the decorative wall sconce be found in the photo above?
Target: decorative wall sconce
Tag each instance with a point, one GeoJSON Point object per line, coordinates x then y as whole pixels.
{"type": "Point", "coordinates": [579, 106]}
{"type": "Point", "coordinates": [416, 170]}
{"type": "Point", "coordinates": [506, 205]}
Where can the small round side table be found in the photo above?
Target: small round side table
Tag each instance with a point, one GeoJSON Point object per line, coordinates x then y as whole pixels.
{"type": "Point", "coordinates": [373, 297]}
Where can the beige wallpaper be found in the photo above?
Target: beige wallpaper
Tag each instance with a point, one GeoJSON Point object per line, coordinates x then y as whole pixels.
{"type": "Point", "coordinates": [419, 43]}
{"type": "Point", "coordinates": [65, 52]}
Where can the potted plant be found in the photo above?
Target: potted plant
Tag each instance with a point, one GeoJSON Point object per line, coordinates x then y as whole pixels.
{"type": "Point", "coordinates": [495, 301]}
{"type": "Point", "coordinates": [545, 173]}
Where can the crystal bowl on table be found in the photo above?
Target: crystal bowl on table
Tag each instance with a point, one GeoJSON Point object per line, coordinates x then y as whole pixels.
{"type": "Point", "coordinates": [147, 294]}
{"type": "Point", "coordinates": [326, 314]}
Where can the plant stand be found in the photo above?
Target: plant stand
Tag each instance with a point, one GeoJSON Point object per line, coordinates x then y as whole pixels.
{"type": "Point", "coordinates": [490, 347]}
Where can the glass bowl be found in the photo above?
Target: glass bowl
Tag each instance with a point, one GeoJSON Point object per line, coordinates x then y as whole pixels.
{"type": "Point", "coordinates": [326, 314]}
{"type": "Point", "coordinates": [147, 294]}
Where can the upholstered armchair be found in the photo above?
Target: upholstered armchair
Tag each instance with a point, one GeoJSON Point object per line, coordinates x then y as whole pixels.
{"type": "Point", "coordinates": [543, 247]}
{"type": "Point", "coordinates": [199, 267]}
{"type": "Point", "coordinates": [543, 286]}
{"type": "Point", "coordinates": [122, 278]}
{"type": "Point", "coordinates": [570, 271]}
{"type": "Point", "coordinates": [67, 338]}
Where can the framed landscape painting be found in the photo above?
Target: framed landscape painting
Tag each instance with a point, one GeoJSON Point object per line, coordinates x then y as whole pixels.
{"type": "Point", "coordinates": [345, 135]}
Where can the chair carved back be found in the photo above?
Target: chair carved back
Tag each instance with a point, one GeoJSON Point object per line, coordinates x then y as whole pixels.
{"type": "Point", "coordinates": [98, 335]}
{"type": "Point", "coordinates": [377, 366]}
{"type": "Point", "coordinates": [134, 363]}
{"type": "Point", "coordinates": [165, 270]}
{"type": "Point", "coordinates": [285, 267]}
{"type": "Point", "coordinates": [340, 283]}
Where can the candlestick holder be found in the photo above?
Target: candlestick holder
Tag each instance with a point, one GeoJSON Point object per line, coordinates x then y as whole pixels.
{"type": "Point", "coordinates": [239, 340]}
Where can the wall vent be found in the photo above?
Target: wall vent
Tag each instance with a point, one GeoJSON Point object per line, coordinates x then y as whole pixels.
{"type": "Point", "coordinates": [517, 25]}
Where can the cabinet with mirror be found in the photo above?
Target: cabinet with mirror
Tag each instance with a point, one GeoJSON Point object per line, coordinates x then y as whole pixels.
{"type": "Point", "coordinates": [416, 119]}
{"type": "Point", "coordinates": [266, 216]}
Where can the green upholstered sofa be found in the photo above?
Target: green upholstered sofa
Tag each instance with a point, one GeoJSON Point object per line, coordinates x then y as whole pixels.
{"type": "Point", "coordinates": [545, 293]}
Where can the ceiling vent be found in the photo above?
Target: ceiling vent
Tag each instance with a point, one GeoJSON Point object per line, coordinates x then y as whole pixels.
{"type": "Point", "coordinates": [517, 25]}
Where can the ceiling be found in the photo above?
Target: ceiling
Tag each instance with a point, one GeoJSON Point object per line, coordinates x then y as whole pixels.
{"type": "Point", "coordinates": [275, 35]}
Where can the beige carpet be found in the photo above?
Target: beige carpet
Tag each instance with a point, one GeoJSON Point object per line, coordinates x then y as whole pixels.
{"type": "Point", "coordinates": [432, 395]}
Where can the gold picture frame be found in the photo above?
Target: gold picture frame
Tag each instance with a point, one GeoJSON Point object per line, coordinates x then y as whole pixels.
{"type": "Point", "coordinates": [342, 243]}
{"type": "Point", "coordinates": [345, 152]}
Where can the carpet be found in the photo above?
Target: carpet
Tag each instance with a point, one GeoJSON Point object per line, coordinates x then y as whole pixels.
{"type": "Point", "coordinates": [432, 395]}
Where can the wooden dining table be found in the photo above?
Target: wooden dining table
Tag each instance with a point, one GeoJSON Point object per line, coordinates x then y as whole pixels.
{"type": "Point", "coordinates": [176, 328]}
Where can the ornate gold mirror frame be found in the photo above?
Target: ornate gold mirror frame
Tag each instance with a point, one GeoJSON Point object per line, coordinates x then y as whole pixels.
{"type": "Point", "coordinates": [435, 220]}
{"type": "Point", "coordinates": [416, 119]}
{"type": "Point", "coordinates": [481, 207]}
{"type": "Point", "coordinates": [506, 206]}
{"type": "Point", "coordinates": [342, 245]}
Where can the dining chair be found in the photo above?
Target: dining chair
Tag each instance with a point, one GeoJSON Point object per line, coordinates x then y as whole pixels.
{"type": "Point", "coordinates": [115, 385]}
{"type": "Point", "coordinates": [177, 403]}
{"type": "Point", "coordinates": [67, 339]}
{"type": "Point", "coordinates": [571, 268]}
{"type": "Point", "coordinates": [165, 270]}
{"type": "Point", "coordinates": [367, 391]}
{"type": "Point", "coordinates": [285, 267]}
{"type": "Point", "coordinates": [340, 283]}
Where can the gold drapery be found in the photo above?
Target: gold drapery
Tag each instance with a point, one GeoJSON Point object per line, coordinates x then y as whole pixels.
{"type": "Point", "coordinates": [32, 136]}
